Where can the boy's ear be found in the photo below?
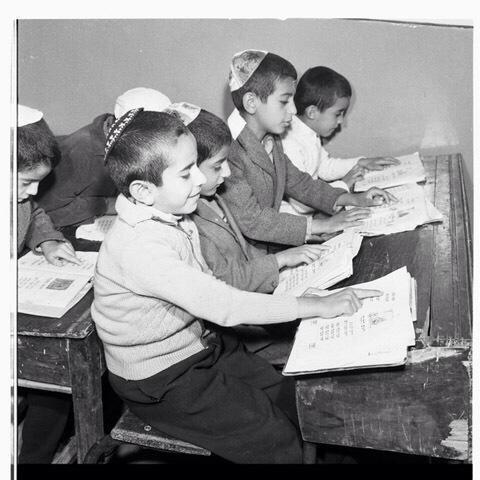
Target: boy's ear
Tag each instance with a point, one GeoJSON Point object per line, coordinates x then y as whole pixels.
{"type": "Point", "coordinates": [250, 102]}
{"type": "Point", "coordinates": [142, 192]}
{"type": "Point", "coordinates": [311, 112]}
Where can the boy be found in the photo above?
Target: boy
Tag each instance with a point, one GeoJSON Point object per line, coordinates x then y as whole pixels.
{"type": "Point", "coordinates": [153, 290]}
{"type": "Point", "coordinates": [47, 412]}
{"type": "Point", "coordinates": [80, 188]}
{"type": "Point", "coordinates": [230, 257]}
{"type": "Point", "coordinates": [322, 99]}
{"type": "Point", "coordinates": [263, 85]}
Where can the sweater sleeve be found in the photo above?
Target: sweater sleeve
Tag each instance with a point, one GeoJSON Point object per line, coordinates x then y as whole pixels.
{"type": "Point", "coordinates": [155, 269]}
{"type": "Point", "coordinates": [254, 275]}
{"type": "Point", "coordinates": [41, 229]}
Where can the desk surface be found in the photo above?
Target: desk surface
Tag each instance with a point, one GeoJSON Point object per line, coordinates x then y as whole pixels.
{"type": "Point", "coordinates": [425, 407]}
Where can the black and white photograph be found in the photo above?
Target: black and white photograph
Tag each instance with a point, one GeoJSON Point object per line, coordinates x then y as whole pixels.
{"type": "Point", "coordinates": [240, 239]}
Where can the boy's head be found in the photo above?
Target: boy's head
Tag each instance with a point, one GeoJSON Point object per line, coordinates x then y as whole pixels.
{"type": "Point", "coordinates": [213, 144]}
{"type": "Point", "coordinates": [37, 151]}
{"type": "Point", "coordinates": [322, 99]}
{"type": "Point", "coordinates": [151, 157]}
{"type": "Point", "coordinates": [262, 86]}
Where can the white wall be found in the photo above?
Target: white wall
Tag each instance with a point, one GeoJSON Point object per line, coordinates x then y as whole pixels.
{"type": "Point", "coordinates": [412, 83]}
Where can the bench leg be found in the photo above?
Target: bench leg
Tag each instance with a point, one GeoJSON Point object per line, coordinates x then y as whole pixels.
{"type": "Point", "coordinates": [101, 449]}
{"type": "Point", "coordinates": [309, 453]}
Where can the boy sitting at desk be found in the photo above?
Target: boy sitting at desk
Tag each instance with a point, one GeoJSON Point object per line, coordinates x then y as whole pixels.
{"type": "Point", "coordinates": [80, 188]}
{"type": "Point", "coordinates": [262, 86]}
{"type": "Point", "coordinates": [47, 412]}
{"type": "Point", "coordinates": [153, 292]}
{"type": "Point", "coordinates": [230, 257]}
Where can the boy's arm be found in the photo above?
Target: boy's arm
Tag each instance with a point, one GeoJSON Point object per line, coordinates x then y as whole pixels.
{"type": "Point", "coordinates": [330, 169]}
{"type": "Point", "coordinates": [256, 222]}
{"type": "Point", "coordinates": [155, 269]}
{"type": "Point", "coordinates": [256, 275]}
{"type": "Point", "coordinates": [41, 229]}
{"type": "Point", "coordinates": [314, 193]}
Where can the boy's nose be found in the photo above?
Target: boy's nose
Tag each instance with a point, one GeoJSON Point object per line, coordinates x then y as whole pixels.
{"type": "Point", "coordinates": [32, 189]}
{"type": "Point", "coordinates": [292, 108]}
{"type": "Point", "coordinates": [198, 176]}
{"type": "Point", "coordinates": [225, 169]}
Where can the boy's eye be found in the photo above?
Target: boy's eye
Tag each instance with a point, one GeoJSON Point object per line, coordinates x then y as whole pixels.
{"type": "Point", "coordinates": [284, 102]}
{"type": "Point", "coordinates": [217, 168]}
{"type": "Point", "coordinates": [186, 176]}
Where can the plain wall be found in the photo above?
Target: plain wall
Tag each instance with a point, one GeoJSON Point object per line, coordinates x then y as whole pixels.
{"type": "Point", "coordinates": [412, 83]}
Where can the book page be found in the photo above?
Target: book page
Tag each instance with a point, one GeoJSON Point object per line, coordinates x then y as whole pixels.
{"type": "Point", "coordinates": [39, 263]}
{"type": "Point", "coordinates": [333, 266]}
{"type": "Point", "coordinates": [410, 170]}
{"type": "Point", "coordinates": [409, 212]}
{"type": "Point", "coordinates": [379, 333]}
{"type": "Point", "coordinates": [97, 230]}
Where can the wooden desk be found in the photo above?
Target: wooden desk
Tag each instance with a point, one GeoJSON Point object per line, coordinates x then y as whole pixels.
{"type": "Point", "coordinates": [423, 408]}
{"type": "Point", "coordinates": [65, 355]}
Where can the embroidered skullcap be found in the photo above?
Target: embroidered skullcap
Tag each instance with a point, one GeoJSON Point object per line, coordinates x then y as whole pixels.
{"type": "Point", "coordinates": [118, 128]}
{"type": "Point", "coordinates": [186, 112]}
{"type": "Point", "coordinates": [147, 98]}
{"type": "Point", "coordinates": [242, 67]}
{"type": "Point", "coordinates": [235, 123]}
{"type": "Point", "coordinates": [27, 115]}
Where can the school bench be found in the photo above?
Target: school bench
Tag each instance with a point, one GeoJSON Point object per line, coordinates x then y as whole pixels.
{"type": "Point", "coordinates": [423, 408]}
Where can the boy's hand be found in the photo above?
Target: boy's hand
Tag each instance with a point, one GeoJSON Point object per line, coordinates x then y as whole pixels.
{"type": "Point", "coordinates": [377, 163]}
{"type": "Point", "coordinates": [354, 175]}
{"type": "Point", "coordinates": [371, 198]}
{"type": "Point", "coordinates": [345, 302]}
{"type": "Point", "coordinates": [298, 255]}
{"type": "Point", "coordinates": [340, 221]}
{"type": "Point", "coordinates": [55, 252]}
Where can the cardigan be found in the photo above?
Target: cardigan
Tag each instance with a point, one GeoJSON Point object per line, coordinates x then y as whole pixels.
{"type": "Point", "coordinates": [152, 289]}
{"type": "Point", "coordinates": [230, 257]}
{"type": "Point", "coordinates": [256, 187]}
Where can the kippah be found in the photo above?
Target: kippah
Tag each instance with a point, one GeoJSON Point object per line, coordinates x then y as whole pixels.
{"type": "Point", "coordinates": [118, 128]}
{"type": "Point", "coordinates": [27, 115]}
{"type": "Point", "coordinates": [186, 112]}
{"type": "Point", "coordinates": [242, 67]}
{"type": "Point", "coordinates": [147, 98]}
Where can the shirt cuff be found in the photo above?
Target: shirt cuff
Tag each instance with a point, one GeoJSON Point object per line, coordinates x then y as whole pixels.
{"type": "Point", "coordinates": [340, 184]}
{"type": "Point", "coordinates": [308, 235]}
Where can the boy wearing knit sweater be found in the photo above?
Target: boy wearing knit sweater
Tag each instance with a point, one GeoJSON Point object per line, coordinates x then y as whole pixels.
{"type": "Point", "coordinates": [153, 292]}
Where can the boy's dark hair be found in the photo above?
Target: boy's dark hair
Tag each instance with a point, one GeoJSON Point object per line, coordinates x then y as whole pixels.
{"type": "Point", "coordinates": [141, 152]}
{"type": "Point", "coordinates": [320, 86]}
{"type": "Point", "coordinates": [36, 145]}
{"type": "Point", "coordinates": [211, 134]}
{"type": "Point", "coordinates": [262, 82]}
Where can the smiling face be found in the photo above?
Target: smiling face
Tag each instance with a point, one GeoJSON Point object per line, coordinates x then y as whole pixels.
{"type": "Point", "coordinates": [325, 123]}
{"type": "Point", "coordinates": [215, 169]}
{"type": "Point", "coordinates": [181, 180]}
{"type": "Point", "coordinates": [275, 115]}
{"type": "Point", "coordinates": [28, 180]}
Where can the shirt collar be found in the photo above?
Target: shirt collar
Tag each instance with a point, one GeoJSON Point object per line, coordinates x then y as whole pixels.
{"type": "Point", "coordinates": [134, 213]}
{"type": "Point", "coordinates": [303, 129]}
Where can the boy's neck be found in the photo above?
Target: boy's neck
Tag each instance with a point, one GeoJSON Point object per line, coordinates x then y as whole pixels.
{"type": "Point", "coordinates": [253, 124]}
{"type": "Point", "coordinates": [306, 121]}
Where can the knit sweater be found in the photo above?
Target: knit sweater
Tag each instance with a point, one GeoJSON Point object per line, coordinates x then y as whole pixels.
{"type": "Point", "coordinates": [153, 288]}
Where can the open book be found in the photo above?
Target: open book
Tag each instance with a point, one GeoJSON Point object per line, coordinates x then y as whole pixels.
{"type": "Point", "coordinates": [49, 290]}
{"type": "Point", "coordinates": [333, 266]}
{"type": "Point", "coordinates": [378, 335]}
{"type": "Point", "coordinates": [96, 231]}
{"type": "Point", "coordinates": [410, 170]}
{"type": "Point", "coordinates": [411, 210]}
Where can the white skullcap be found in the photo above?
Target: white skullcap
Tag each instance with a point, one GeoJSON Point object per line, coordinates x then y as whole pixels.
{"type": "Point", "coordinates": [242, 67]}
{"type": "Point", "coordinates": [235, 123]}
{"type": "Point", "coordinates": [147, 98]}
{"type": "Point", "coordinates": [187, 112]}
{"type": "Point", "coordinates": [27, 115]}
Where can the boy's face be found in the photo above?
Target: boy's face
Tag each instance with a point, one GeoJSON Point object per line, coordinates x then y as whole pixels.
{"type": "Point", "coordinates": [275, 115]}
{"type": "Point", "coordinates": [215, 169]}
{"type": "Point", "coordinates": [181, 180]}
{"type": "Point", "coordinates": [28, 180]}
{"type": "Point", "coordinates": [325, 123]}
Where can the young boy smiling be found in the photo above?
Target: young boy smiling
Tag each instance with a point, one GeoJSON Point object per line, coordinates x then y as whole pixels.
{"type": "Point", "coordinates": [153, 292]}
{"type": "Point", "coordinates": [263, 85]}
